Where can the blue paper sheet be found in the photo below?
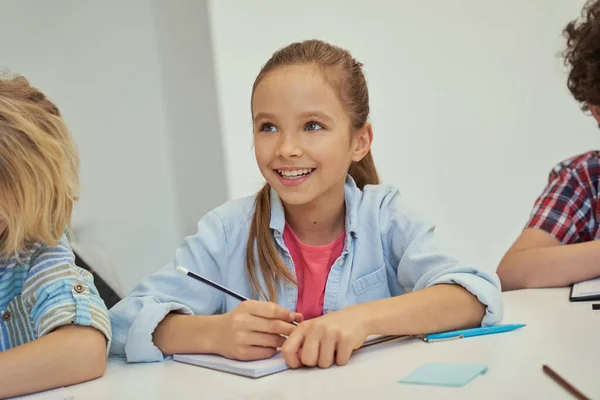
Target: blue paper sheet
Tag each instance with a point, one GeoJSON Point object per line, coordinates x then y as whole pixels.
{"type": "Point", "coordinates": [445, 374]}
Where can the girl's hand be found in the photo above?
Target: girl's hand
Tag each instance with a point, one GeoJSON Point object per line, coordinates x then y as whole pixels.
{"type": "Point", "coordinates": [325, 340]}
{"type": "Point", "coordinates": [254, 329]}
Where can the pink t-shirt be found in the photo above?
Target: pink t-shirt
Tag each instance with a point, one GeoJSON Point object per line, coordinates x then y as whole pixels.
{"type": "Point", "coordinates": [312, 264]}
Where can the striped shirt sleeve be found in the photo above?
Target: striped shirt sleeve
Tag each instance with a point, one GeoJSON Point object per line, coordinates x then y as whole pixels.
{"type": "Point", "coordinates": [59, 293]}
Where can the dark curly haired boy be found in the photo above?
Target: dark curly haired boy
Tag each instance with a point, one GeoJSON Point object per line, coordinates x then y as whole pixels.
{"type": "Point", "coordinates": [558, 246]}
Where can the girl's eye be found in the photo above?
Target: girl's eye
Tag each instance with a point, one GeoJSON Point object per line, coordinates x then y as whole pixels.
{"type": "Point", "coordinates": [313, 126]}
{"type": "Point", "coordinates": [268, 128]}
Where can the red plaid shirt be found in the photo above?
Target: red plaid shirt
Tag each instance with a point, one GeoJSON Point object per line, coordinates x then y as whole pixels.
{"type": "Point", "coordinates": [568, 208]}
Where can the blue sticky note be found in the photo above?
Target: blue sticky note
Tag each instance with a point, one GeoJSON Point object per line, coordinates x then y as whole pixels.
{"type": "Point", "coordinates": [441, 374]}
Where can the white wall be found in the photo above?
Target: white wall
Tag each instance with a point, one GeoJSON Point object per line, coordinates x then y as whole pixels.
{"type": "Point", "coordinates": [469, 107]}
{"type": "Point", "coordinates": [189, 94]}
{"type": "Point", "coordinates": [469, 103]}
{"type": "Point", "coordinates": [128, 106]}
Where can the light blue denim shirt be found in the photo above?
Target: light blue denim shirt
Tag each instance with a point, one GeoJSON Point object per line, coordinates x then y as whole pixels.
{"type": "Point", "coordinates": [389, 250]}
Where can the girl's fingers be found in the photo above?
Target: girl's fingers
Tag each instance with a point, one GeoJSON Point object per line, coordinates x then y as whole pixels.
{"type": "Point", "coordinates": [274, 326]}
{"type": "Point", "coordinates": [291, 349]}
{"type": "Point", "coordinates": [309, 354]}
{"type": "Point", "coordinates": [269, 310]}
{"type": "Point", "coordinates": [264, 340]}
{"type": "Point", "coordinates": [251, 353]}
{"type": "Point", "coordinates": [327, 351]}
{"type": "Point", "coordinates": [343, 352]}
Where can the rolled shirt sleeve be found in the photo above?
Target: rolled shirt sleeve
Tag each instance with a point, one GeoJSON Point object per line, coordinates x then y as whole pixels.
{"type": "Point", "coordinates": [59, 293]}
{"type": "Point", "coordinates": [421, 262]}
{"type": "Point", "coordinates": [135, 318]}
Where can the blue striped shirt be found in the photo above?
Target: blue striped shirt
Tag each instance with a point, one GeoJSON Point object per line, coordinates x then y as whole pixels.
{"type": "Point", "coordinates": [42, 290]}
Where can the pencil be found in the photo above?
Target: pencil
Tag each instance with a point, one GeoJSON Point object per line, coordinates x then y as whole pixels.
{"type": "Point", "coordinates": [215, 285]}
{"type": "Point", "coordinates": [185, 271]}
{"type": "Point", "coordinates": [562, 382]}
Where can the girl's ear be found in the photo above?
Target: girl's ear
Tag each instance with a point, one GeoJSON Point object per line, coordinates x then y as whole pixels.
{"type": "Point", "coordinates": [361, 142]}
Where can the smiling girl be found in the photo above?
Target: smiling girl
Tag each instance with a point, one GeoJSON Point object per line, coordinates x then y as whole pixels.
{"type": "Point", "coordinates": [323, 241]}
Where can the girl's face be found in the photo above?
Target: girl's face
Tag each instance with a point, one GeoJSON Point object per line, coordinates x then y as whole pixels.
{"type": "Point", "coordinates": [302, 136]}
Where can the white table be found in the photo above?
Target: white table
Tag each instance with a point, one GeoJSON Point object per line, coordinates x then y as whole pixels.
{"type": "Point", "coordinates": [564, 335]}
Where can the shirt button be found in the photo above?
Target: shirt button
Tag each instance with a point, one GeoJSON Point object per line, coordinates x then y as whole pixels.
{"type": "Point", "coordinates": [6, 316]}
{"type": "Point", "coordinates": [341, 262]}
{"type": "Point", "coordinates": [79, 288]}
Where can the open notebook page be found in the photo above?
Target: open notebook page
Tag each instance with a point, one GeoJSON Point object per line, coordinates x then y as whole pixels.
{"type": "Point", "coordinates": [254, 369]}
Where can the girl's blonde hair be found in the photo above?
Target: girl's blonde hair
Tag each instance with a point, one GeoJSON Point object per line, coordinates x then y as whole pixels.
{"type": "Point", "coordinates": [345, 76]}
{"type": "Point", "coordinates": [38, 168]}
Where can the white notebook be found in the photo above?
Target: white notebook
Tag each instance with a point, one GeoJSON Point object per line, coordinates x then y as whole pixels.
{"type": "Point", "coordinates": [586, 290]}
{"type": "Point", "coordinates": [259, 368]}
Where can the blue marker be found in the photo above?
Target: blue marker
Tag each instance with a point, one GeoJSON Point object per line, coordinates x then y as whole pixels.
{"type": "Point", "coordinates": [464, 333]}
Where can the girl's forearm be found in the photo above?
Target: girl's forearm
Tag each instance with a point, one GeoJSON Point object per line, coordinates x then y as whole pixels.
{"type": "Point", "coordinates": [435, 309]}
{"type": "Point", "coordinates": [178, 333]}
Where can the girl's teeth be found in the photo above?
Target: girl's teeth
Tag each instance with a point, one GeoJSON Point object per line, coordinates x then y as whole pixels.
{"type": "Point", "coordinates": [294, 173]}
